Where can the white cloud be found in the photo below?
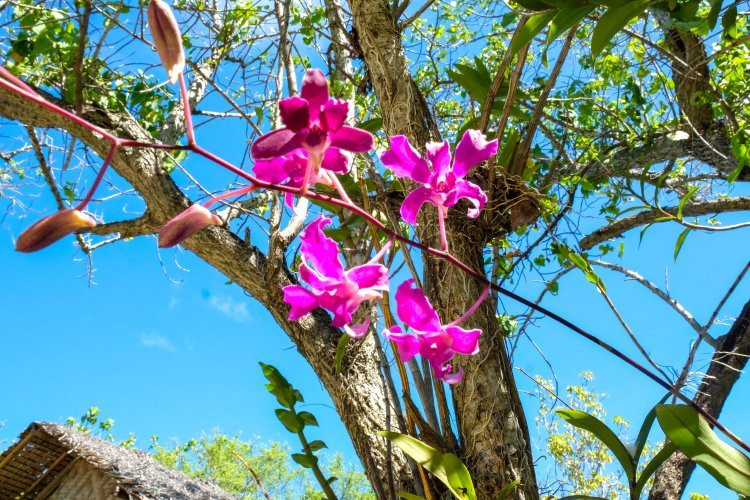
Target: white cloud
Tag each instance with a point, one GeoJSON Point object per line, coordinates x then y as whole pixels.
{"type": "Point", "coordinates": [157, 341]}
{"type": "Point", "coordinates": [230, 308]}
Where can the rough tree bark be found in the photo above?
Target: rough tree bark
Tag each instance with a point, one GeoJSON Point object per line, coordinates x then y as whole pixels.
{"type": "Point", "coordinates": [359, 395]}
{"type": "Point", "coordinates": [494, 438]}
{"type": "Point", "coordinates": [726, 365]}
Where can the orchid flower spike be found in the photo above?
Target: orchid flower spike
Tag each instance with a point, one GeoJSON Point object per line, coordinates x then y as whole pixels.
{"type": "Point", "coordinates": [436, 342]}
{"type": "Point", "coordinates": [45, 232]}
{"type": "Point", "coordinates": [334, 289]}
{"type": "Point", "coordinates": [186, 224]}
{"type": "Point", "coordinates": [167, 38]}
{"type": "Point", "coordinates": [443, 182]}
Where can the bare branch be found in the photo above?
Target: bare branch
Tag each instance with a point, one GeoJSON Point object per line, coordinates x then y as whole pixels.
{"type": "Point", "coordinates": [618, 227]}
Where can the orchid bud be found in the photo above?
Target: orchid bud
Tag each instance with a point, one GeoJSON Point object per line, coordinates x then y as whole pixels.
{"type": "Point", "coordinates": [167, 38]}
{"type": "Point", "coordinates": [53, 227]}
{"type": "Point", "coordinates": [186, 224]}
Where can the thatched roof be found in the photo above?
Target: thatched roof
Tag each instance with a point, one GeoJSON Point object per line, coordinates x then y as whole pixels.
{"type": "Point", "coordinates": [45, 452]}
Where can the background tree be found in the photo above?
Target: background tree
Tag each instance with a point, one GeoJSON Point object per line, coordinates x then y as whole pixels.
{"type": "Point", "coordinates": [649, 130]}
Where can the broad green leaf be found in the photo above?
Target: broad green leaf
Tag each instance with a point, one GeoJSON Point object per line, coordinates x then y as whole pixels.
{"type": "Point", "coordinates": [306, 460]}
{"type": "Point", "coordinates": [563, 21]}
{"type": "Point", "coordinates": [729, 19]}
{"type": "Point", "coordinates": [291, 421]}
{"type": "Point", "coordinates": [372, 125]}
{"type": "Point", "coordinates": [713, 14]}
{"type": "Point", "coordinates": [409, 496]}
{"type": "Point", "coordinates": [308, 418]}
{"type": "Point", "coordinates": [533, 26]}
{"type": "Point", "coordinates": [613, 21]}
{"type": "Point", "coordinates": [643, 433]}
{"type": "Point", "coordinates": [340, 350]}
{"type": "Point", "coordinates": [680, 242]}
{"type": "Point", "coordinates": [447, 467]}
{"type": "Point", "coordinates": [599, 429]}
{"type": "Point", "coordinates": [533, 4]}
{"type": "Point", "coordinates": [651, 467]}
{"type": "Point", "coordinates": [317, 445]}
{"type": "Point", "coordinates": [737, 171]}
{"type": "Point", "coordinates": [507, 489]}
{"type": "Point", "coordinates": [692, 435]}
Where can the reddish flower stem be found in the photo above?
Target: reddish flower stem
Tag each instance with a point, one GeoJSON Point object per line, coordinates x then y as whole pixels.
{"type": "Point", "coordinates": [441, 224]}
{"type": "Point", "coordinates": [442, 254]}
{"type": "Point", "coordinates": [229, 194]}
{"type": "Point", "coordinates": [99, 176]}
{"type": "Point", "coordinates": [473, 307]}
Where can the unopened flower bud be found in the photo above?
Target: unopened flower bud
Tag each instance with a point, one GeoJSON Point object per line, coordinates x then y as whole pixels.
{"type": "Point", "coordinates": [53, 227]}
{"type": "Point", "coordinates": [186, 224]}
{"type": "Point", "coordinates": [167, 38]}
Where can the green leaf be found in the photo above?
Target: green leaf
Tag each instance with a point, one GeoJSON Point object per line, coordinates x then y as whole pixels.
{"type": "Point", "coordinates": [292, 422]}
{"type": "Point", "coordinates": [533, 26]}
{"type": "Point", "coordinates": [447, 467]}
{"type": "Point", "coordinates": [581, 497]}
{"type": "Point", "coordinates": [340, 350]}
{"type": "Point", "coordinates": [306, 460]}
{"type": "Point", "coordinates": [317, 445]}
{"type": "Point", "coordinates": [729, 19]}
{"type": "Point", "coordinates": [533, 4]}
{"type": "Point", "coordinates": [737, 171]}
{"type": "Point", "coordinates": [507, 489]}
{"type": "Point", "coordinates": [563, 21]}
{"type": "Point", "coordinates": [691, 192]}
{"type": "Point", "coordinates": [643, 433]}
{"type": "Point", "coordinates": [613, 21]}
{"type": "Point", "coordinates": [713, 14]}
{"type": "Point", "coordinates": [409, 496]}
{"type": "Point", "coordinates": [372, 125]}
{"type": "Point", "coordinates": [599, 429]}
{"type": "Point", "coordinates": [692, 435]}
{"type": "Point", "coordinates": [651, 467]}
{"type": "Point", "coordinates": [308, 418]}
{"type": "Point", "coordinates": [680, 242]}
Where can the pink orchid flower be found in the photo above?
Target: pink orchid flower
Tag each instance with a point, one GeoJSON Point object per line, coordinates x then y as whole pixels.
{"type": "Point", "coordinates": [315, 122]}
{"type": "Point", "coordinates": [436, 342]}
{"type": "Point", "coordinates": [290, 169]}
{"type": "Point", "coordinates": [332, 288]}
{"type": "Point", "coordinates": [443, 185]}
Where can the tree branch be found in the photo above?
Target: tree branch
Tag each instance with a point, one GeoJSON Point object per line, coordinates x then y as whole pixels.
{"type": "Point", "coordinates": [618, 227]}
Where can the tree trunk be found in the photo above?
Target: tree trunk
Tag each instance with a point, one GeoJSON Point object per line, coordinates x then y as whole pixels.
{"type": "Point", "coordinates": [494, 435]}
{"type": "Point", "coordinates": [726, 365]}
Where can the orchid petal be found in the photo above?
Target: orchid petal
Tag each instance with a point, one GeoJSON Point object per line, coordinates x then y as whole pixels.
{"type": "Point", "coordinates": [414, 309]}
{"type": "Point", "coordinates": [407, 345]}
{"type": "Point", "coordinates": [314, 91]}
{"type": "Point", "coordinates": [439, 154]}
{"type": "Point", "coordinates": [276, 143]}
{"type": "Point", "coordinates": [271, 170]}
{"type": "Point", "coordinates": [359, 330]}
{"type": "Point", "coordinates": [336, 161]}
{"type": "Point", "coordinates": [404, 161]}
{"type": "Point", "coordinates": [373, 276]}
{"type": "Point", "coordinates": [315, 280]}
{"type": "Point", "coordinates": [321, 250]}
{"type": "Point", "coordinates": [470, 191]}
{"type": "Point", "coordinates": [452, 378]}
{"type": "Point", "coordinates": [301, 300]}
{"type": "Point", "coordinates": [464, 341]}
{"type": "Point", "coordinates": [334, 114]}
{"type": "Point", "coordinates": [352, 139]}
{"type": "Point", "coordinates": [413, 202]}
{"type": "Point", "coordinates": [295, 113]}
{"type": "Point", "coordinates": [187, 223]}
{"type": "Point", "coordinates": [472, 150]}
